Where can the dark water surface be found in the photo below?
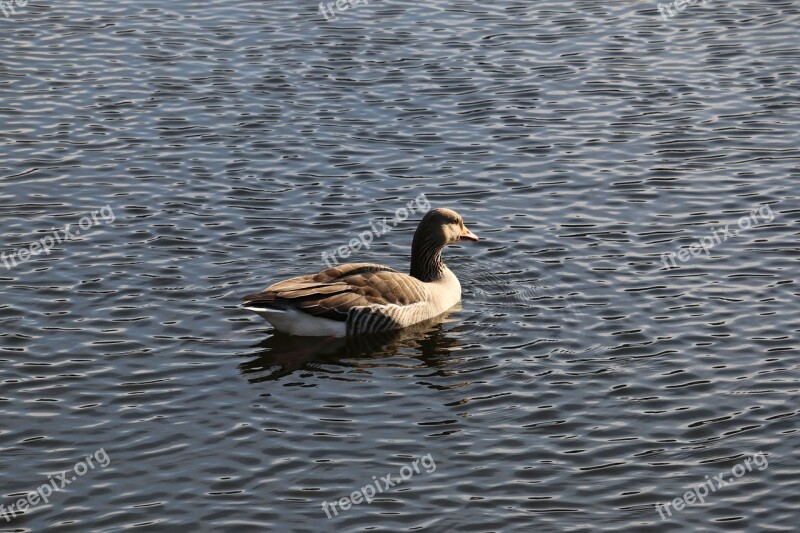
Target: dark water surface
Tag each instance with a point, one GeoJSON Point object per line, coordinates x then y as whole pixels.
{"type": "Point", "coordinates": [581, 382]}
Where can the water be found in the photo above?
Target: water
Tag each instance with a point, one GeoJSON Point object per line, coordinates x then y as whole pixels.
{"type": "Point", "coordinates": [580, 384]}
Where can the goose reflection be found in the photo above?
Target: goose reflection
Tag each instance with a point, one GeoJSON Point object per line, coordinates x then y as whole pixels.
{"type": "Point", "coordinates": [281, 355]}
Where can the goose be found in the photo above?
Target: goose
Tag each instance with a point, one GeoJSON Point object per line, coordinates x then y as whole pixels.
{"type": "Point", "coordinates": [358, 298]}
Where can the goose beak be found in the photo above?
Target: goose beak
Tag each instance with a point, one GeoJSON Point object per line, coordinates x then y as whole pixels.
{"type": "Point", "coordinates": [467, 235]}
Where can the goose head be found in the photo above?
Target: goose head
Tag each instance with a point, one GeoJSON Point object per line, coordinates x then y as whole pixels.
{"type": "Point", "coordinates": [438, 228]}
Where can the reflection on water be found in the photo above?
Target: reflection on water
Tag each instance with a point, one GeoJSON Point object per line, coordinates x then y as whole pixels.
{"type": "Point", "coordinates": [280, 355]}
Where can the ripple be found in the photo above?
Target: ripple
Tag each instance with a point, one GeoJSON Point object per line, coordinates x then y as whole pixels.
{"type": "Point", "coordinates": [580, 382]}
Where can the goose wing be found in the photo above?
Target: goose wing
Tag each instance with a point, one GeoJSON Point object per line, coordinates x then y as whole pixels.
{"type": "Point", "coordinates": [333, 293]}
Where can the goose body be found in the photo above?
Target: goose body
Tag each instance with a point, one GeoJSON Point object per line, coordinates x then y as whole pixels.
{"type": "Point", "coordinates": [361, 298]}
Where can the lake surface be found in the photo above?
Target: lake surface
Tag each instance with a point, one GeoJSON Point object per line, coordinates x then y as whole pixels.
{"type": "Point", "coordinates": [223, 146]}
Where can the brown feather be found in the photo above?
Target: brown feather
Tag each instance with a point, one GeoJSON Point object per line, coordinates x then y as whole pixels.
{"type": "Point", "coordinates": [333, 292]}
